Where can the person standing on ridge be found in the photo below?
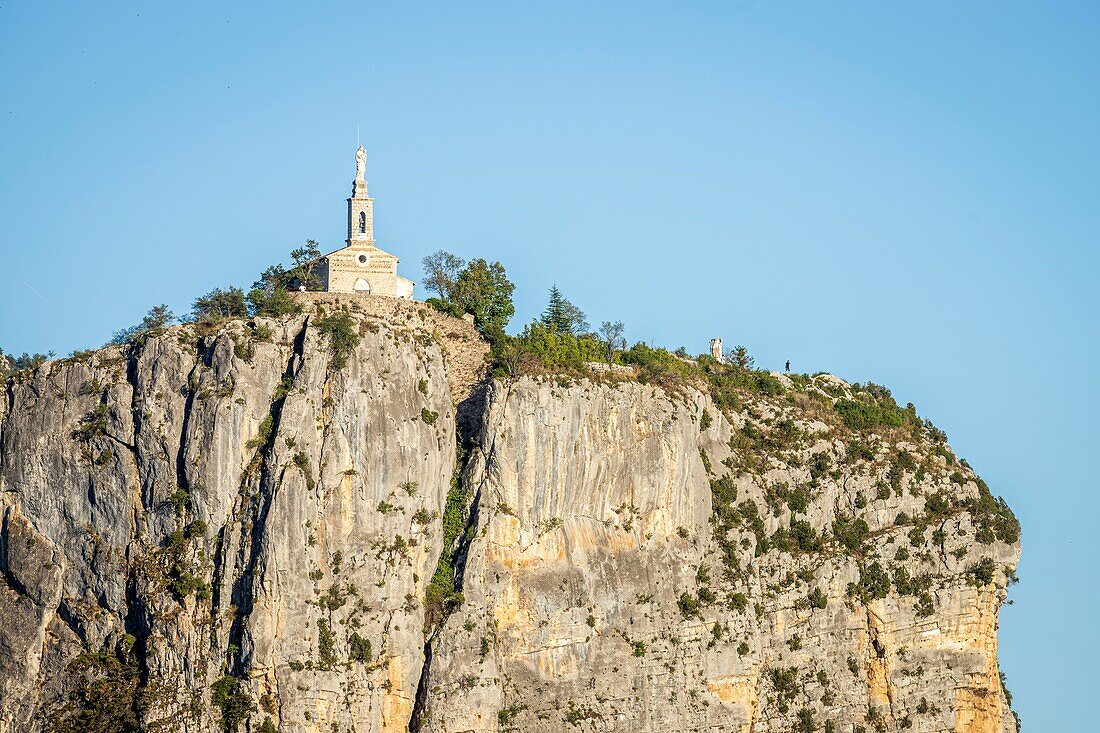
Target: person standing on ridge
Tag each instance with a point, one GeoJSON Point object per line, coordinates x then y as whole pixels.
{"type": "Point", "coordinates": [788, 365]}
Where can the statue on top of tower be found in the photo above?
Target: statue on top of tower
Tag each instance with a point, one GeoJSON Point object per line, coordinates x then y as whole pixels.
{"type": "Point", "coordinates": [360, 163]}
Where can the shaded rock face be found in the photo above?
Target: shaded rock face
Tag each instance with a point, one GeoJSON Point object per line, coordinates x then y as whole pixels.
{"type": "Point", "coordinates": [227, 532]}
{"type": "Point", "coordinates": [230, 506]}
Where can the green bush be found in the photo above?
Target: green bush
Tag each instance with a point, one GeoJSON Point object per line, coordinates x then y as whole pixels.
{"type": "Point", "coordinates": [263, 435]}
{"type": "Point", "coordinates": [273, 302]}
{"type": "Point", "coordinates": [441, 596]}
{"type": "Point", "coordinates": [992, 517]}
{"type": "Point", "coordinates": [152, 324]}
{"type": "Point", "coordinates": [104, 697]}
{"type": "Point", "coordinates": [219, 304]}
{"type": "Point", "coordinates": [797, 501]}
{"type": "Point", "coordinates": [658, 366]}
{"type": "Point", "coordinates": [806, 722]}
{"type": "Point", "coordinates": [689, 605]}
{"type": "Point", "coordinates": [785, 683]}
{"type": "Point", "coordinates": [541, 348]}
{"type": "Point", "coordinates": [874, 583]}
{"type": "Point", "coordinates": [359, 649]}
{"type": "Point", "coordinates": [851, 532]}
{"type": "Point", "coordinates": [981, 573]}
{"type": "Point", "coordinates": [343, 333]}
{"type": "Point", "coordinates": [873, 407]}
{"type": "Point", "coordinates": [94, 424]}
{"type": "Point", "coordinates": [228, 695]}
{"type": "Point", "coordinates": [800, 537]}
{"type": "Point", "coordinates": [301, 460]}
{"type": "Point", "coordinates": [326, 645]}
{"type": "Point", "coordinates": [728, 382]}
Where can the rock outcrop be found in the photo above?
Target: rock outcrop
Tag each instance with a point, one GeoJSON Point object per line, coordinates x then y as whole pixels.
{"type": "Point", "coordinates": [246, 530]}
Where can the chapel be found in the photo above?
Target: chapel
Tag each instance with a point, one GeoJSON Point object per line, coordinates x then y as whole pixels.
{"type": "Point", "coordinates": [359, 266]}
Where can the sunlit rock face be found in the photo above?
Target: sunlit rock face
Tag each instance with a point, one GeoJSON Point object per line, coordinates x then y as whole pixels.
{"type": "Point", "coordinates": [614, 580]}
{"type": "Point", "coordinates": [238, 528]}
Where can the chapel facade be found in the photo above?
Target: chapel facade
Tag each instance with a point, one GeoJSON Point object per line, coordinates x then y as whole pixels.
{"type": "Point", "coordinates": [359, 266]}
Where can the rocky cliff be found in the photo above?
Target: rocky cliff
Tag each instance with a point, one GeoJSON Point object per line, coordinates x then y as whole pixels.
{"type": "Point", "coordinates": [239, 528]}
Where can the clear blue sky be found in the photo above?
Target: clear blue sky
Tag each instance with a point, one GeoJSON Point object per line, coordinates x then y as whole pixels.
{"type": "Point", "coordinates": [906, 195]}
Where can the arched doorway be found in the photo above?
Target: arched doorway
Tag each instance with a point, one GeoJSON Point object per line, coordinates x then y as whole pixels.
{"type": "Point", "coordinates": [362, 286]}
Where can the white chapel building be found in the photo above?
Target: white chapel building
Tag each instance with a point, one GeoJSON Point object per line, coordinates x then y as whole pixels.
{"type": "Point", "coordinates": [359, 266]}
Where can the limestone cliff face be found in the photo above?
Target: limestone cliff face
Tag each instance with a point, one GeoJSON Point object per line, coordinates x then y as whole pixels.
{"type": "Point", "coordinates": [220, 508]}
{"type": "Point", "coordinates": [618, 578]}
{"type": "Point", "coordinates": [231, 532]}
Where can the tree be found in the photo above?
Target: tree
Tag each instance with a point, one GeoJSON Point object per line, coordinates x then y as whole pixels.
{"type": "Point", "coordinates": [274, 302]}
{"type": "Point", "coordinates": [270, 296]}
{"type": "Point", "coordinates": [157, 318]}
{"type": "Point", "coordinates": [153, 323]}
{"type": "Point", "coordinates": [307, 260]}
{"type": "Point", "coordinates": [218, 304]}
{"type": "Point", "coordinates": [611, 336]}
{"type": "Point", "coordinates": [739, 357]}
{"type": "Point", "coordinates": [441, 272]}
{"type": "Point", "coordinates": [562, 316]}
{"type": "Point", "coordinates": [12, 364]}
{"type": "Point", "coordinates": [484, 291]}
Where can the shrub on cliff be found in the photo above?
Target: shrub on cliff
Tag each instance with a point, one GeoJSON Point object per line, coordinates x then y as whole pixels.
{"type": "Point", "coordinates": [541, 348]}
{"type": "Point", "coordinates": [11, 364]}
{"type": "Point", "coordinates": [658, 366]}
{"type": "Point", "coordinates": [728, 380]}
{"type": "Point", "coordinates": [343, 333]}
{"type": "Point", "coordinates": [105, 695]}
{"type": "Point", "coordinates": [219, 304]}
{"type": "Point", "coordinates": [152, 324]}
{"type": "Point", "coordinates": [478, 288]}
{"type": "Point", "coordinates": [874, 583]}
{"type": "Point", "coordinates": [873, 406]}
{"type": "Point", "coordinates": [981, 573]}
{"type": "Point", "coordinates": [270, 295]}
{"type": "Point", "coordinates": [228, 695]}
{"type": "Point", "coordinates": [992, 517]}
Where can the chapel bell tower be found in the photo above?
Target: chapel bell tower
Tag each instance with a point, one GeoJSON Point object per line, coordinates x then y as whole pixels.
{"type": "Point", "coordinates": [360, 205]}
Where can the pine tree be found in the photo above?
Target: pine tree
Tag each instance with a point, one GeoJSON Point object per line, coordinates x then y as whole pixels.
{"type": "Point", "coordinates": [554, 315]}
{"type": "Point", "coordinates": [562, 316]}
